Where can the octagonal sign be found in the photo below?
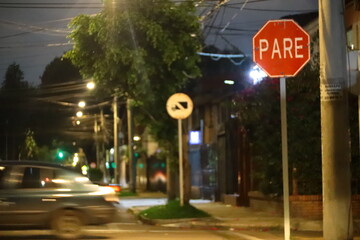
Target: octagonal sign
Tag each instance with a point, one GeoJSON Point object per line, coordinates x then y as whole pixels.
{"type": "Point", "coordinates": [281, 48]}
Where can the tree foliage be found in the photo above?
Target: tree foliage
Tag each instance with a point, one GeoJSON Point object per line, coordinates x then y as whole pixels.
{"type": "Point", "coordinates": [138, 48]}
{"type": "Point", "coordinates": [15, 111]}
{"type": "Point", "coordinates": [29, 150]}
{"type": "Point", "coordinates": [143, 50]}
{"type": "Point", "coordinates": [60, 70]}
{"type": "Point", "coordinates": [14, 78]}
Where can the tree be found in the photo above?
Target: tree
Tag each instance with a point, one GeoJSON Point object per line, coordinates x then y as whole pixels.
{"type": "Point", "coordinates": [60, 70]}
{"type": "Point", "coordinates": [15, 112]}
{"type": "Point", "coordinates": [143, 50]}
{"type": "Point", "coordinates": [29, 150]}
{"type": "Point", "coordinates": [14, 77]}
{"type": "Point", "coordinates": [259, 111]}
{"type": "Point", "coordinates": [139, 48]}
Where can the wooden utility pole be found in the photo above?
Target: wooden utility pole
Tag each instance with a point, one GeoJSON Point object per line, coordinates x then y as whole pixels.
{"type": "Point", "coordinates": [116, 143]}
{"type": "Point", "coordinates": [132, 163]}
{"type": "Point", "coordinates": [337, 212]}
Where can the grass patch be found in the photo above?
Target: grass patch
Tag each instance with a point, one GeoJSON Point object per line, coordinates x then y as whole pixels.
{"type": "Point", "coordinates": [173, 210]}
{"type": "Point", "coordinates": [127, 193]}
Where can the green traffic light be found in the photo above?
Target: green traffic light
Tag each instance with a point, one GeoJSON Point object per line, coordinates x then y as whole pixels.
{"type": "Point", "coordinates": [60, 155]}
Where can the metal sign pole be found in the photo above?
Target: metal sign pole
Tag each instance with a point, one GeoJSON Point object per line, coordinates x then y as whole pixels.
{"type": "Point", "coordinates": [181, 177]}
{"type": "Point", "coordinates": [285, 164]}
{"type": "Point", "coordinates": [180, 106]}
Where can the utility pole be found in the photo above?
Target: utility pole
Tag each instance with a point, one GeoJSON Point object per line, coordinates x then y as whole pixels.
{"type": "Point", "coordinates": [116, 144]}
{"type": "Point", "coordinates": [96, 131]}
{"type": "Point", "coordinates": [132, 165]}
{"type": "Point", "coordinates": [337, 212]}
{"type": "Point", "coordinates": [6, 139]}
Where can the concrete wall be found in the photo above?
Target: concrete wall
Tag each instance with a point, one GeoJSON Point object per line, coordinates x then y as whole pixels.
{"type": "Point", "coordinates": [301, 206]}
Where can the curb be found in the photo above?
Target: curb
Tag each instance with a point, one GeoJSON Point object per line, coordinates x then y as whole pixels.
{"type": "Point", "coordinates": [212, 223]}
{"type": "Point", "coordinates": [215, 223]}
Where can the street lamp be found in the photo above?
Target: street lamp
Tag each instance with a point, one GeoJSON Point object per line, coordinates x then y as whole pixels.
{"type": "Point", "coordinates": [229, 82]}
{"type": "Point", "coordinates": [90, 85]}
{"type": "Point", "coordinates": [257, 74]}
{"type": "Point", "coordinates": [79, 114]}
{"type": "Point", "coordinates": [82, 104]}
{"type": "Point", "coordinates": [136, 138]}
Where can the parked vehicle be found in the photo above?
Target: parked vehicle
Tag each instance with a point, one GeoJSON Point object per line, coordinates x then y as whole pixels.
{"type": "Point", "coordinates": [45, 195]}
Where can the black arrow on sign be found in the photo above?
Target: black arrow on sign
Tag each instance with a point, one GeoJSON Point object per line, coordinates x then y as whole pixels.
{"type": "Point", "coordinates": [180, 106]}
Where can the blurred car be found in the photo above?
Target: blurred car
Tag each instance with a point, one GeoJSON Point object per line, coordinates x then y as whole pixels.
{"type": "Point", "coordinates": [47, 195]}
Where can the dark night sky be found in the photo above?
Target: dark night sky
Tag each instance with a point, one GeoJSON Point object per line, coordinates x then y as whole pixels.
{"type": "Point", "coordinates": [33, 32]}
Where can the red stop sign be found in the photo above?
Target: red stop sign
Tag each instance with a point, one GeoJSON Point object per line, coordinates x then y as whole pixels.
{"type": "Point", "coordinates": [281, 48]}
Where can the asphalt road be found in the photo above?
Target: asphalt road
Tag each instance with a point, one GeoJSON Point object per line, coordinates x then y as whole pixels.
{"type": "Point", "coordinates": [126, 226]}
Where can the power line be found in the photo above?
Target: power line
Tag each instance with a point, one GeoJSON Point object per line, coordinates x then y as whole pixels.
{"type": "Point", "coordinates": [271, 10]}
{"type": "Point", "coordinates": [218, 56]}
{"type": "Point", "coordinates": [214, 9]}
{"type": "Point", "coordinates": [50, 3]}
{"type": "Point", "coordinates": [34, 28]}
{"type": "Point", "coordinates": [234, 29]}
{"type": "Point", "coordinates": [37, 45]}
{"type": "Point", "coordinates": [50, 6]}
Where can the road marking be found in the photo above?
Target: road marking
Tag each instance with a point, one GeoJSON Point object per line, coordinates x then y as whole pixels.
{"type": "Point", "coordinates": [246, 237]}
{"type": "Point", "coordinates": [136, 231]}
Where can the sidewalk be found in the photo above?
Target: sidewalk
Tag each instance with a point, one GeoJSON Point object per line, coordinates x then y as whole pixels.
{"type": "Point", "coordinates": [236, 218]}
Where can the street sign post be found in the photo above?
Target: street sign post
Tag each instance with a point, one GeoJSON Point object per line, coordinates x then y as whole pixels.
{"type": "Point", "coordinates": [180, 106]}
{"type": "Point", "coordinates": [282, 48]}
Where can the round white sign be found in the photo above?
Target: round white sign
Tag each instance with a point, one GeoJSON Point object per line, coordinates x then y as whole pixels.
{"type": "Point", "coordinates": [179, 106]}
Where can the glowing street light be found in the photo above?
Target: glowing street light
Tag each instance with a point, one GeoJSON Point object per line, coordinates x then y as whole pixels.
{"type": "Point", "coordinates": [82, 104]}
{"type": "Point", "coordinates": [257, 74]}
{"type": "Point", "coordinates": [136, 138]}
{"type": "Point", "coordinates": [90, 85]}
{"type": "Point", "coordinates": [79, 114]}
{"type": "Point", "coordinates": [75, 159]}
{"type": "Point", "coordinates": [229, 82]}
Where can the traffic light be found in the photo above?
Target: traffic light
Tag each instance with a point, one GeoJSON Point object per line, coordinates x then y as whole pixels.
{"type": "Point", "coordinates": [60, 154]}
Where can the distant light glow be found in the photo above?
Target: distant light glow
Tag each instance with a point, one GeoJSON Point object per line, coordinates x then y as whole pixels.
{"type": "Point", "coordinates": [79, 114]}
{"type": "Point", "coordinates": [195, 137]}
{"type": "Point", "coordinates": [75, 159]}
{"type": "Point", "coordinates": [78, 122]}
{"type": "Point", "coordinates": [137, 138]}
{"type": "Point", "coordinates": [84, 169]}
{"type": "Point", "coordinates": [257, 74]}
{"type": "Point", "coordinates": [112, 151]}
{"type": "Point", "coordinates": [229, 82]}
{"type": "Point", "coordinates": [159, 176]}
{"type": "Point", "coordinates": [82, 104]}
{"type": "Point", "coordinates": [90, 85]}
